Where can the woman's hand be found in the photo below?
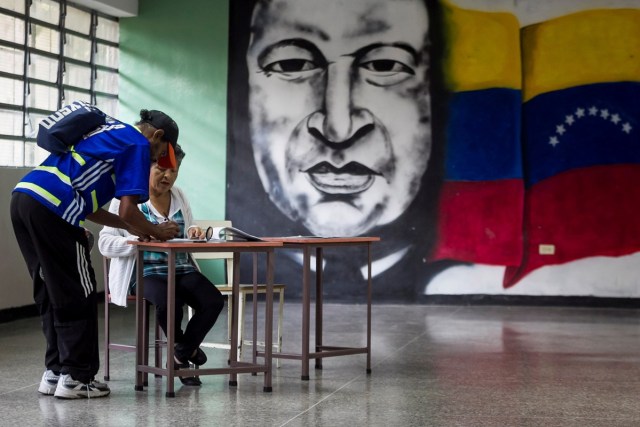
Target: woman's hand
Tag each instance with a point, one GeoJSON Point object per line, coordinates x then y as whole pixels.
{"type": "Point", "coordinates": [195, 232]}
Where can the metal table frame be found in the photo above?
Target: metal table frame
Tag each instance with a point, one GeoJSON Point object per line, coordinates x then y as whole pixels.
{"type": "Point", "coordinates": [235, 367]}
{"type": "Point", "coordinates": [309, 244]}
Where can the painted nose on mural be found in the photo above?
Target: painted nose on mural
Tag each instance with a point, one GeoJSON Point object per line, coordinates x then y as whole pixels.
{"type": "Point", "coordinates": [340, 124]}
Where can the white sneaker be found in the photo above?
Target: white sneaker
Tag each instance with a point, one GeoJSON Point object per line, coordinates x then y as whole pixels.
{"type": "Point", "coordinates": [48, 382]}
{"type": "Point", "coordinates": [68, 388]}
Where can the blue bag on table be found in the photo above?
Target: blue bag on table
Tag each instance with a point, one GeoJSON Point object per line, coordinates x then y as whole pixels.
{"type": "Point", "coordinates": [66, 127]}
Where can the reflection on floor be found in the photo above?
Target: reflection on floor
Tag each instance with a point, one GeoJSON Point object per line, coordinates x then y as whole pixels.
{"type": "Point", "coordinates": [432, 366]}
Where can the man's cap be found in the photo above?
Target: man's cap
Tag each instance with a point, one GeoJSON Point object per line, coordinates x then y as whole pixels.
{"type": "Point", "coordinates": [160, 120]}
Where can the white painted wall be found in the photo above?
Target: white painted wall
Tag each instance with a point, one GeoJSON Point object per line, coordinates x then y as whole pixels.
{"type": "Point", "coordinates": [16, 289]}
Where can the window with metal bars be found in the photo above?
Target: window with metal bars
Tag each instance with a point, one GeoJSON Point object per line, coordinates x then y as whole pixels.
{"type": "Point", "coordinates": [52, 52]}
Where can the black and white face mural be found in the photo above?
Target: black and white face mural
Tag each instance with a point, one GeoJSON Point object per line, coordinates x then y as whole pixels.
{"type": "Point", "coordinates": [340, 109]}
{"type": "Point", "coordinates": [331, 102]}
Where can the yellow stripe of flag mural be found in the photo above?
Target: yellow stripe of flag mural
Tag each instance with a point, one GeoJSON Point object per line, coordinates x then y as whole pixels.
{"type": "Point", "coordinates": [483, 49]}
{"type": "Point", "coordinates": [582, 48]}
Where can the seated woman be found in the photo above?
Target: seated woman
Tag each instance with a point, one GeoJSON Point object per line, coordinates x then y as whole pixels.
{"type": "Point", "coordinates": [166, 203]}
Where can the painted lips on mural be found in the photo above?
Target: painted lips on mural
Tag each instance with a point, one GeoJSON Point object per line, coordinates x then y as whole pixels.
{"type": "Point", "coordinates": [350, 179]}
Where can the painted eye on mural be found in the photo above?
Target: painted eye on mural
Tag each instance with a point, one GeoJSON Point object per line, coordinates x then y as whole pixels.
{"type": "Point", "coordinates": [386, 66]}
{"type": "Point", "coordinates": [290, 66]}
{"type": "Point", "coordinates": [291, 60]}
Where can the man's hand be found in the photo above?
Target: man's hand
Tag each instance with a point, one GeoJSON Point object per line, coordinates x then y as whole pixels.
{"type": "Point", "coordinates": [90, 237]}
{"type": "Point", "coordinates": [166, 230]}
{"type": "Point", "coordinates": [136, 223]}
{"type": "Point", "coordinates": [142, 236]}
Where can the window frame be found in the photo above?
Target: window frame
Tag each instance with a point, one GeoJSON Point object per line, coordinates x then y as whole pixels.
{"type": "Point", "coordinates": [27, 108]}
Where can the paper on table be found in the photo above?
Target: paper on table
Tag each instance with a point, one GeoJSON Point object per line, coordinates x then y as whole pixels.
{"type": "Point", "coordinates": [185, 240]}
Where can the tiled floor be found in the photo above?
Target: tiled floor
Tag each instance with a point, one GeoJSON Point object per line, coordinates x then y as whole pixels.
{"type": "Point", "coordinates": [432, 366]}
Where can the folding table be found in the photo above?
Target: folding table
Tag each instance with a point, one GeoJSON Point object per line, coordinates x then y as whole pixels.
{"type": "Point", "coordinates": [235, 367]}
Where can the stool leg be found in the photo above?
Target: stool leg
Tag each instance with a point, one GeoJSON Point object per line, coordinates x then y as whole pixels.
{"type": "Point", "coordinates": [241, 305]}
{"type": "Point", "coordinates": [158, 347]}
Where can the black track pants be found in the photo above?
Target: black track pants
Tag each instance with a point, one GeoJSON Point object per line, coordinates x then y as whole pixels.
{"type": "Point", "coordinates": [64, 286]}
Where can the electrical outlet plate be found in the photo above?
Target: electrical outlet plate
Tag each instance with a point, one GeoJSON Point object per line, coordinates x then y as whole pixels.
{"type": "Point", "coordinates": [547, 249]}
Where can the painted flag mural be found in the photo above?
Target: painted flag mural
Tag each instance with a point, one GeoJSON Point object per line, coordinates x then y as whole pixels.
{"type": "Point", "coordinates": [481, 202]}
{"type": "Point", "coordinates": [581, 138]}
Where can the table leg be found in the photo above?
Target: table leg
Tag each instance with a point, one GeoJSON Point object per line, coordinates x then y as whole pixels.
{"type": "Point", "coordinates": [254, 345]}
{"type": "Point", "coordinates": [171, 315]}
{"type": "Point", "coordinates": [145, 340]}
{"type": "Point", "coordinates": [305, 313]}
{"type": "Point", "coordinates": [369, 292]}
{"type": "Point", "coordinates": [233, 352]}
{"type": "Point", "coordinates": [319, 292]}
{"type": "Point", "coordinates": [268, 333]}
{"type": "Point", "coordinates": [139, 321]}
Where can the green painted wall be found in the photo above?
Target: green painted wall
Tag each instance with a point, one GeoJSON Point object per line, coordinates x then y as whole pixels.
{"type": "Point", "coordinates": [173, 57]}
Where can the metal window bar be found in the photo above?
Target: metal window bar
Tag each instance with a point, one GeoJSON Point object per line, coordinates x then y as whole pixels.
{"type": "Point", "coordinates": [92, 58]}
{"type": "Point", "coordinates": [25, 72]}
{"type": "Point", "coordinates": [63, 42]}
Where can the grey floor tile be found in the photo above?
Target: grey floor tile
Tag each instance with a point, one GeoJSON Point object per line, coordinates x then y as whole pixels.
{"type": "Point", "coordinates": [431, 366]}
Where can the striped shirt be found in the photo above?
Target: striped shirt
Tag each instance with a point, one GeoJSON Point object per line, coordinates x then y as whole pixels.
{"type": "Point", "coordinates": [112, 161]}
{"type": "Point", "coordinates": [157, 262]}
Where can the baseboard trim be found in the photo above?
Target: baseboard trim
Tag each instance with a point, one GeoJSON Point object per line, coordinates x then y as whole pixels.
{"type": "Point", "coordinates": [24, 312]}
{"type": "Point", "coordinates": [17, 313]}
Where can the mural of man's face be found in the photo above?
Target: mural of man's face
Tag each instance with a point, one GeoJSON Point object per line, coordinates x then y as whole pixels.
{"type": "Point", "coordinates": [340, 109]}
